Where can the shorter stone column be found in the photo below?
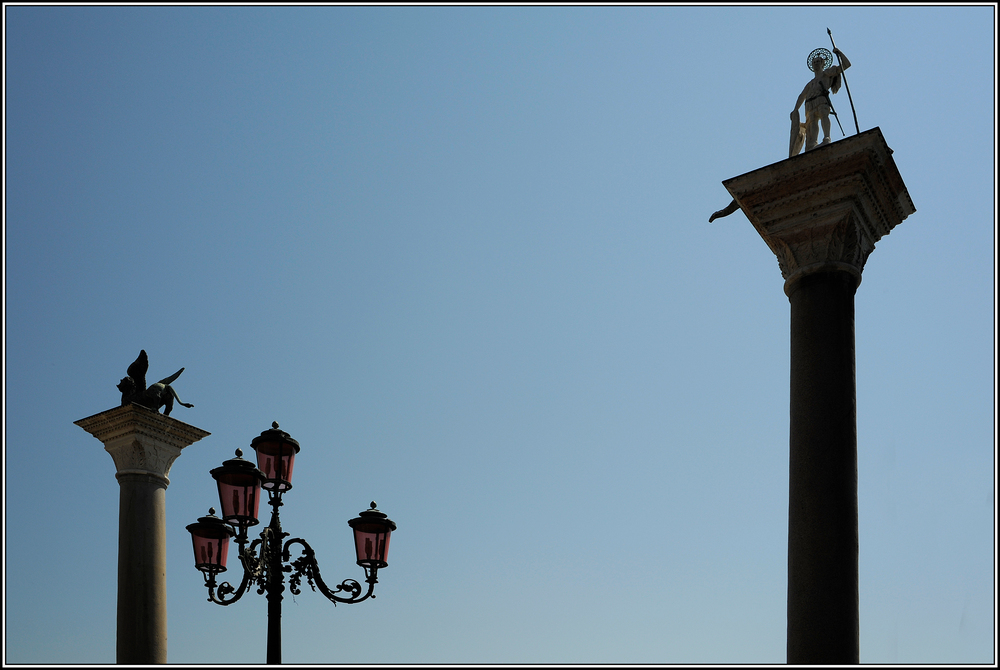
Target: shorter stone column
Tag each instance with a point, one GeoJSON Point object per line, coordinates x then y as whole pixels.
{"type": "Point", "coordinates": [821, 213]}
{"type": "Point", "coordinates": [143, 444]}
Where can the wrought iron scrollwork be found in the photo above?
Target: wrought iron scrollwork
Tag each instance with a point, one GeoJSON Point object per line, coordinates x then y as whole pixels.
{"type": "Point", "coordinates": [253, 573]}
{"type": "Point", "coordinates": [219, 597]}
{"type": "Point", "coordinates": [305, 566]}
{"type": "Point", "coordinates": [256, 569]}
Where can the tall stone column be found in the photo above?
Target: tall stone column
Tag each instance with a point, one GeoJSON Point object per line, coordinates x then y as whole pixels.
{"type": "Point", "coordinates": [821, 214]}
{"type": "Point", "coordinates": [143, 444]}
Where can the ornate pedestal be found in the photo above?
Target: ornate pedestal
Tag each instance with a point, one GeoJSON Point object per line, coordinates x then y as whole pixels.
{"type": "Point", "coordinates": [143, 444]}
{"type": "Point", "coordinates": [821, 213]}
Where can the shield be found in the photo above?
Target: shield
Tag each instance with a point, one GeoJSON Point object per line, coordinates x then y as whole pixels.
{"type": "Point", "coordinates": [798, 136]}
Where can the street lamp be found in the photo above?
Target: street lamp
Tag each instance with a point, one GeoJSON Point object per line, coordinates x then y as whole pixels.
{"type": "Point", "coordinates": [240, 484]}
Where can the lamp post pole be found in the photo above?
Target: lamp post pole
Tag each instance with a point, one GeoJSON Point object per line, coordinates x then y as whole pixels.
{"type": "Point", "coordinates": [275, 585]}
{"type": "Point", "coordinates": [240, 485]}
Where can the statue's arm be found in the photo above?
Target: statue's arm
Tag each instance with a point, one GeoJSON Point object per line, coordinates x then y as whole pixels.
{"type": "Point", "coordinates": [798, 103]}
{"type": "Point", "coordinates": [844, 63]}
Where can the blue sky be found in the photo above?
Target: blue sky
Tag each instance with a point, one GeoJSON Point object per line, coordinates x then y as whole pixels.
{"type": "Point", "coordinates": [462, 255]}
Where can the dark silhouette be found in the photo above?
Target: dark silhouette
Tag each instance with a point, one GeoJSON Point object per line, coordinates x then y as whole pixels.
{"type": "Point", "coordinates": [726, 211]}
{"type": "Point", "coordinates": [160, 394]}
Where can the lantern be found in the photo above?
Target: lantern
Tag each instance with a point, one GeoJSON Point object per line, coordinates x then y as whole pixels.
{"type": "Point", "coordinates": [210, 537]}
{"type": "Point", "coordinates": [371, 537]}
{"type": "Point", "coordinates": [275, 458]}
{"type": "Point", "coordinates": [239, 491]}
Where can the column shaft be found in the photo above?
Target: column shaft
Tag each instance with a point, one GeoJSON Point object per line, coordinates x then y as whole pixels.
{"type": "Point", "coordinates": [142, 570]}
{"type": "Point", "coordinates": [143, 444]}
{"type": "Point", "coordinates": [823, 619]}
{"type": "Point", "coordinates": [822, 213]}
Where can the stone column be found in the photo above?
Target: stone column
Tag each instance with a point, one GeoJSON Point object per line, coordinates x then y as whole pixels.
{"type": "Point", "coordinates": [821, 214]}
{"type": "Point", "coordinates": [143, 444]}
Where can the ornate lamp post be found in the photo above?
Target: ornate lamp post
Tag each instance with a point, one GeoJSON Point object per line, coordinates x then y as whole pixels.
{"type": "Point", "coordinates": [240, 484]}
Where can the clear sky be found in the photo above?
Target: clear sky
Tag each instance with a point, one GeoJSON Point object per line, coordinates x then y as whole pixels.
{"type": "Point", "coordinates": [462, 255]}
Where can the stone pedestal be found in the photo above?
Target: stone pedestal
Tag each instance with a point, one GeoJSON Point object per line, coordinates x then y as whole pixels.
{"type": "Point", "coordinates": [143, 444]}
{"type": "Point", "coordinates": [821, 213]}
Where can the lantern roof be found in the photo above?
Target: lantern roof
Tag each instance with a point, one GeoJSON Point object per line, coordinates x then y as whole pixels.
{"type": "Point", "coordinates": [274, 434]}
{"type": "Point", "coordinates": [238, 465]}
{"type": "Point", "coordinates": [372, 516]}
{"type": "Point", "coordinates": [211, 526]}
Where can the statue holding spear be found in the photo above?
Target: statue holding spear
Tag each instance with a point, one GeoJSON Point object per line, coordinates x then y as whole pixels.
{"type": "Point", "coordinates": [816, 96]}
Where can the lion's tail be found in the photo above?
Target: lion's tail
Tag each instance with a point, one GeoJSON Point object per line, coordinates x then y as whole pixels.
{"type": "Point", "coordinates": [177, 397]}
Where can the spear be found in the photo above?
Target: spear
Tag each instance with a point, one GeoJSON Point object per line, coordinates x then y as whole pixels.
{"type": "Point", "coordinates": [842, 74]}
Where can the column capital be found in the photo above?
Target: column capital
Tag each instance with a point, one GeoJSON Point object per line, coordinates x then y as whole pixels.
{"type": "Point", "coordinates": [140, 440]}
{"type": "Point", "coordinates": [825, 209]}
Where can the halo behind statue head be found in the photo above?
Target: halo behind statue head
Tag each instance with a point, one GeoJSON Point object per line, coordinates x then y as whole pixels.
{"type": "Point", "coordinates": [821, 53]}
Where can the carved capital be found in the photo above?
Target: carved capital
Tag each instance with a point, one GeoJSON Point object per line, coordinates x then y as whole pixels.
{"type": "Point", "coordinates": [825, 209]}
{"type": "Point", "coordinates": [141, 441]}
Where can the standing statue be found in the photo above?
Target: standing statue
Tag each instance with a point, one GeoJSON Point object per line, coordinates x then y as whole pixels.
{"type": "Point", "coordinates": [816, 96]}
{"type": "Point", "coordinates": [160, 394]}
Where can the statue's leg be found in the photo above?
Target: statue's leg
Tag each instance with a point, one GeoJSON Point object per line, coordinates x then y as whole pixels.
{"type": "Point", "coordinates": [168, 405]}
{"type": "Point", "coordinates": [826, 129]}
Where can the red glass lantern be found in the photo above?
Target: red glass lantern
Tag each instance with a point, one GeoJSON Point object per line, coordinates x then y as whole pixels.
{"type": "Point", "coordinates": [210, 537]}
{"type": "Point", "coordinates": [371, 537]}
{"type": "Point", "coordinates": [275, 458]}
{"type": "Point", "coordinates": [239, 491]}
